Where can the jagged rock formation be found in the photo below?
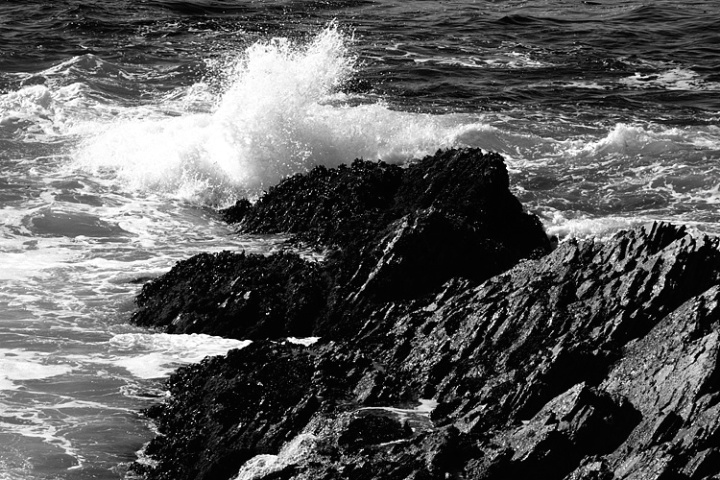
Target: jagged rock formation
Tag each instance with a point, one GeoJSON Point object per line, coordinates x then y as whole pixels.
{"type": "Point", "coordinates": [236, 296]}
{"type": "Point", "coordinates": [398, 234]}
{"type": "Point", "coordinates": [598, 360]}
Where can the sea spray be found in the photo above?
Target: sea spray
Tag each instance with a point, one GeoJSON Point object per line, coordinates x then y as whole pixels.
{"type": "Point", "coordinates": [278, 108]}
{"type": "Point", "coordinates": [282, 112]}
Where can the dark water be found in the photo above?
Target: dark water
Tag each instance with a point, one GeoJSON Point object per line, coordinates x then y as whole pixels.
{"type": "Point", "coordinates": [123, 123]}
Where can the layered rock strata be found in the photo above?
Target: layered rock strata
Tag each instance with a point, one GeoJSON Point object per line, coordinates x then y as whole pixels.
{"type": "Point", "coordinates": [455, 342]}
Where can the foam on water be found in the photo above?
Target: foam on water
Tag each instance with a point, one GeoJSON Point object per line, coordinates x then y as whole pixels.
{"type": "Point", "coordinates": [158, 355]}
{"type": "Point", "coordinates": [604, 227]}
{"type": "Point", "coordinates": [44, 112]}
{"type": "Point", "coordinates": [632, 140]}
{"type": "Point", "coordinates": [592, 182]}
{"type": "Point", "coordinates": [21, 259]}
{"type": "Point", "coordinates": [33, 424]}
{"type": "Point", "coordinates": [17, 364]}
{"type": "Point", "coordinates": [75, 249]}
{"type": "Point", "coordinates": [99, 157]}
{"type": "Point", "coordinates": [17, 367]}
{"type": "Point", "coordinates": [281, 110]}
{"type": "Point", "coordinates": [50, 396]}
{"type": "Point", "coordinates": [671, 79]}
{"type": "Point", "coordinates": [479, 59]}
{"type": "Point", "coordinates": [281, 113]}
{"type": "Point", "coordinates": [252, 140]}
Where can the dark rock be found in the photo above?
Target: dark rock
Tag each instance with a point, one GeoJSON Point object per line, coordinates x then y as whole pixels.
{"type": "Point", "coordinates": [381, 213]}
{"type": "Point", "coordinates": [373, 428]}
{"type": "Point", "coordinates": [350, 206]}
{"type": "Point", "coordinates": [260, 398]}
{"type": "Point", "coordinates": [236, 295]}
{"type": "Point", "coordinates": [703, 464]}
{"type": "Point", "coordinates": [236, 212]}
{"type": "Point", "coordinates": [580, 422]}
{"type": "Point", "coordinates": [423, 249]}
{"type": "Point", "coordinates": [402, 233]}
{"type": "Point", "coordinates": [328, 206]}
{"type": "Point", "coordinates": [597, 361]}
{"type": "Point", "coordinates": [474, 188]}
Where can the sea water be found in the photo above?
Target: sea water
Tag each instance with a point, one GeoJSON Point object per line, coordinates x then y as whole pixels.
{"type": "Point", "coordinates": [125, 124]}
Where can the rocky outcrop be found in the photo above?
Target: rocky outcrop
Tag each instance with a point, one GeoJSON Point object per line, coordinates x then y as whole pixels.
{"type": "Point", "coordinates": [400, 233]}
{"type": "Point", "coordinates": [597, 360]}
{"type": "Point", "coordinates": [236, 295]}
{"type": "Point", "coordinates": [397, 234]}
{"type": "Point", "coordinates": [255, 413]}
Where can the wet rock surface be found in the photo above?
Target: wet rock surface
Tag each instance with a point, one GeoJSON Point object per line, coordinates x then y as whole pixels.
{"type": "Point", "coordinates": [394, 234]}
{"type": "Point", "coordinates": [454, 342]}
{"type": "Point", "coordinates": [236, 295]}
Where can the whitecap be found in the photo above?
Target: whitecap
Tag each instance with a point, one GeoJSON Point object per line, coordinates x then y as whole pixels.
{"type": "Point", "coordinates": [281, 113]}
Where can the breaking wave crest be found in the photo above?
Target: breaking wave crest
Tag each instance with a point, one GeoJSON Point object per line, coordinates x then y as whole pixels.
{"type": "Point", "coordinates": [278, 108]}
{"type": "Point", "coordinates": [282, 112]}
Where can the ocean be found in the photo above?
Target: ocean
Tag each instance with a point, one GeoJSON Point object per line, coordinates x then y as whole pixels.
{"type": "Point", "coordinates": [125, 124]}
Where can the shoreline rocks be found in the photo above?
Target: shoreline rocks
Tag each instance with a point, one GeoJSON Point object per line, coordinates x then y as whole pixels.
{"type": "Point", "coordinates": [236, 296]}
{"type": "Point", "coordinates": [393, 234]}
{"type": "Point", "coordinates": [595, 360]}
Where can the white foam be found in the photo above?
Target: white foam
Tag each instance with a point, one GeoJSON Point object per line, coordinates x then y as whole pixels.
{"type": "Point", "coordinates": [509, 60]}
{"type": "Point", "coordinates": [44, 112]}
{"type": "Point", "coordinates": [22, 262]}
{"type": "Point", "coordinates": [31, 422]}
{"type": "Point", "coordinates": [673, 79]}
{"type": "Point", "coordinates": [587, 227]}
{"type": "Point", "coordinates": [18, 365]}
{"type": "Point", "coordinates": [653, 149]}
{"type": "Point", "coordinates": [28, 411]}
{"type": "Point", "coordinates": [303, 341]}
{"type": "Point", "coordinates": [156, 355]}
{"type": "Point", "coordinates": [280, 114]}
{"type": "Point", "coordinates": [29, 105]}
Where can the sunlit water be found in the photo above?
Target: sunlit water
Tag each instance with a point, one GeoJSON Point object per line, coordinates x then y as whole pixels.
{"type": "Point", "coordinates": [125, 124]}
